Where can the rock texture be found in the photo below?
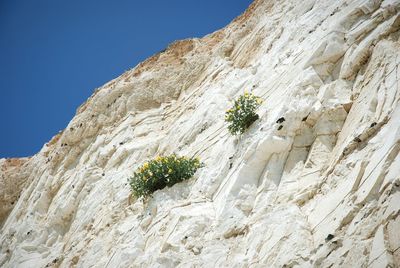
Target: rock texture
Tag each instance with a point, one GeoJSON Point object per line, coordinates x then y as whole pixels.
{"type": "Point", "coordinates": [319, 189]}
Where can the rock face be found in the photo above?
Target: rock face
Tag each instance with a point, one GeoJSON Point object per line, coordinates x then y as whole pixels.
{"type": "Point", "coordinates": [320, 188]}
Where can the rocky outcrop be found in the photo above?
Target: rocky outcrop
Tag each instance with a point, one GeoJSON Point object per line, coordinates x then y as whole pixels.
{"type": "Point", "coordinates": [13, 177]}
{"type": "Point", "coordinates": [320, 188]}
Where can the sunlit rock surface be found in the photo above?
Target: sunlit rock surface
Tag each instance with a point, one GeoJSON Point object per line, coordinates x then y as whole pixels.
{"type": "Point", "coordinates": [320, 189]}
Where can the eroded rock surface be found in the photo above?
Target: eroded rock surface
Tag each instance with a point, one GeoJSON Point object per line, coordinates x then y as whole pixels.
{"type": "Point", "coordinates": [318, 189]}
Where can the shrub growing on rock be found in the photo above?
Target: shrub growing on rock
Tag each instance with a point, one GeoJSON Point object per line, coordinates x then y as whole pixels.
{"type": "Point", "coordinates": [162, 171]}
{"type": "Point", "coordinates": [243, 113]}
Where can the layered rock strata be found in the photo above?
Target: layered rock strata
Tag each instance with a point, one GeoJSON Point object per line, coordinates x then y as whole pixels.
{"type": "Point", "coordinates": [319, 189]}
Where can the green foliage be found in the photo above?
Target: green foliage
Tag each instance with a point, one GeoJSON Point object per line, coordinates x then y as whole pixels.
{"type": "Point", "coordinates": [242, 114]}
{"type": "Point", "coordinates": [162, 171]}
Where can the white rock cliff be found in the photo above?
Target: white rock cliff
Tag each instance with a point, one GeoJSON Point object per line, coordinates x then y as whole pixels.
{"type": "Point", "coordinates": [320, 189]}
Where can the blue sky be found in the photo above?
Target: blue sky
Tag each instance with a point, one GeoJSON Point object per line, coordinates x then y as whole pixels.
{"type": "Point", "coordinates": [54, 53]}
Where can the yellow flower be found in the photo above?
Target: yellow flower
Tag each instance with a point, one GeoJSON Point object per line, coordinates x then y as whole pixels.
{"type": "Point", "coordinates": [158, 158]}
{"type": "Point", "coordinates": [145, 165]}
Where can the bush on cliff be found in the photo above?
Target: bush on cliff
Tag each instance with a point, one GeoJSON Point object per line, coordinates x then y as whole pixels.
{"type": "Point", "coordinates": [162, 171]}
{"type": "Point", "coordinates": [243, 113]}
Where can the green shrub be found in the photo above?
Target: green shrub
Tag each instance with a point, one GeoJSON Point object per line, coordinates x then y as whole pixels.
{"type": "Point", "coordinates": [162, 171]}
{"type": "Point", "coordinates": [242, 114]}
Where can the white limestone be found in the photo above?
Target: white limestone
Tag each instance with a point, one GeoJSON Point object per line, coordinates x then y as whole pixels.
{"type": "Point", "coordinates": [322, 191]}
